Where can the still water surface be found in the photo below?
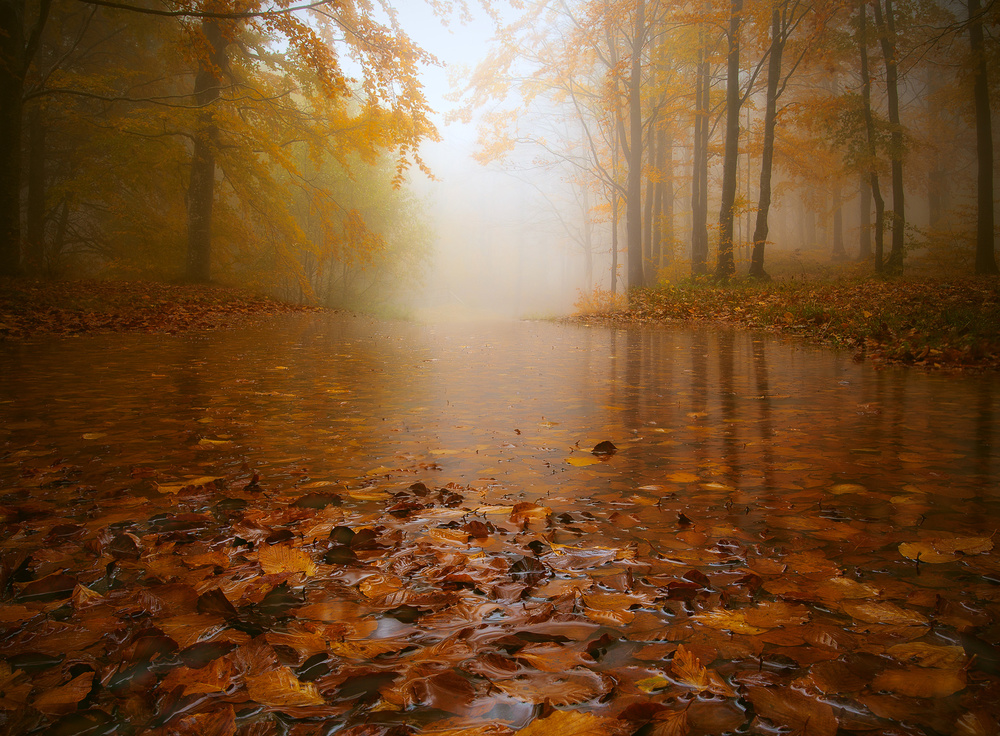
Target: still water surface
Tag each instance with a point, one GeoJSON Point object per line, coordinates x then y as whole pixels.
{"type": "Point", "coordinates": [505, 405]}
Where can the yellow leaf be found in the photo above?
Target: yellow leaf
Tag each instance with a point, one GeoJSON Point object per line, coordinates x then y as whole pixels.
{"type": "Point", "coordinates": [929, 655]}
{"type": "Point", "coordinates": [212, 443]}
{"type": "Point", "coordinates": [572, 723]}
{"type": "Point", "coordinates": [874, 612]}
{"type": "Point", "coordinates": [280, 688]}
{"type": "Point", "coordinates": [682, 478]}
{"type": "Point", "coordinates": [580, 461]}
{"type": "Point", "coordinates": [722, 620]}
{"type": "Point", "coordinates": [281, 558]}
{"type": "Point", "coordinates": [94, 435]}
{"type": "Point", "coordinates": [689, 672]}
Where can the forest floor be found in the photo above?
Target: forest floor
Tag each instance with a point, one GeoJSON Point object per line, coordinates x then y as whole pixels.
{"type": "Point", "coordinates": [72, 307]}
{"type": "Point", "coordinates": [921, 319]}
{"type": "Point", "coordinates": [917, 319]}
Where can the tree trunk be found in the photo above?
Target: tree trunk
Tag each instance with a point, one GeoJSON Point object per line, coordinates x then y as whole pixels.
{"type": "Point", "coordinates": [12, 69]}
{"type": "Point", "coordinates": [633, 196]}
{"type": "Point", "coordinates": [767, 152]}
{"type": "Point", "coordinates": [839, 253]}
{"type": "Point", "coordinates": [725, 265]}
{"type": "Point", "coordinates": [865, 207]}
{"type": "Point", "coordinates": [866, 96]}
{"type": "Point", "coordinates": [887, 35]}
{"type": "Point", "coordinates": [649, 263]}
{"type": "Point", "coordinates": [699, 167]}
{"type": "Point", "coordinates": [614, 241]}
{"type": "Point", "coordinates": [201, 189]}
{"type": "Point", "coordinates": [986, 262]}
{"type": "Point", "coordinates": [34, 245]}
{"type": "Point", "coordinates": [667, 196]}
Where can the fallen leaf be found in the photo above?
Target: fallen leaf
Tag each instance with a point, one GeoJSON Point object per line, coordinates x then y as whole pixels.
{"type": "Point", "coordinates": [786, 707]}
{"type": "Point", "coordinates": [875, 612]}
{"type": "Point", "coordinates": [688, 671]}
{"type": "Point", "coordinates": [281, 558]}
{"type": "Point", "coordinates": [574, 723]}
{"type": "Point", "coordinates": [280, 688]}
{"type": "Point", "coordinates": [921, 682]}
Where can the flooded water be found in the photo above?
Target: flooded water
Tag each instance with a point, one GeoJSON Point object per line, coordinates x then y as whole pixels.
{"type": "Point", "coordinates": [738, 456]}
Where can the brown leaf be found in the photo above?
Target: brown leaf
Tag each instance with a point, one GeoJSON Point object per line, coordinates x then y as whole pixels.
{"type": "Point", "coordinates": [570, 688]}
{"type": "Point", "coordinates": [14, 687]}
{"type": "Point", "coordinates": [787, 707]}
{"type": "Point", "coordinates": [921, 682]}
{"type": "Point", "coordinates": [63, 699]}
{"type": "Point", "coordinates": [669, 723]}
{"type": "Point", "coordinates": [875, 612]}
{"type": "Point", "coordinates": [573, 723]}
{"type": "Point", "coordinates": [688, 671]}
{"type": "Point", "coordinates": [280, 688]}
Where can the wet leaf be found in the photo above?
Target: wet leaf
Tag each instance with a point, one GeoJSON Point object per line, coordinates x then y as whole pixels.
{"type": "Point", "coordinates": [14, 687]}
{"type": "Point", "coordinates": [581, 461]}
{"type": "Point", "coordinates": [282, 558]}
{"type": "Point", "coordinates": [573, 723]}
{"type": "Point", "coordinates": [280, 688]}
{"type": "Point", "coordinates": [688, 671]}
{"type": "Point", "coordinates": [570, 688]}
{"type": "Point", "coordinates": [921, 682]}
{"type": "Point", "coordinates": [883, 613]}
{"type": "Point", "coordinates": [786, 707]}
{"type": "Point", "coordinates": [63, 699]}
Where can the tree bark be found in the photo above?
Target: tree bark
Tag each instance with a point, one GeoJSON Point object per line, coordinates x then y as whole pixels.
{"type": "Point", "coordinates": [865, 207]}
{"type": "Point", "coordinates": [34, 245]}
{"type": "Point", "coordinates": [633, 197]}
{"type": "Point", "coordinates": [887, 36]}
{"type": "Point", "coordinates": [866, 97]}
{"type": "Point", "coordinates": [986, 262]}
{"type": "Point", "coordinates": [839, 252]}
{"type": "Point", "coordinates": [649, 262]}
{"type": "Point", "coordinates": [699, 167]}
{"type": "Point", "coordinates": [12, 69]}
{"type": "Point", "coordinates": [725, 265]}
{"type": "Point", "coordinates": [760, 229]}
{"type": "Point", "coordinates": [201, 187]}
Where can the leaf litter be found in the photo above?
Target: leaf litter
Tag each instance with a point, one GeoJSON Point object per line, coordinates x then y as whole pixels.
{"type": "Point", "coordinates": [231, 610]}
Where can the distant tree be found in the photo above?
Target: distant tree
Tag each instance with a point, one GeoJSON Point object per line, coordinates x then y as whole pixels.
{"type": "Point", "coordinates": [985, 237]}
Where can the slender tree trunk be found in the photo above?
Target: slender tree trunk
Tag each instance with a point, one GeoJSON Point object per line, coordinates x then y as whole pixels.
{"type": "Point", "coordinates": [866, 97]}
{"type": "Point", "coordinates": [725, 265]}
{"type": "Point", "coordinates": [12, 69]}
{"type": "Point", "coordinates": [887, 34]}
{"type": "Point", "coordinates": [839, 252]}
{"type": "Point", "coordinates": [668, 197]}
{"type": "Point", "coordinates": [699, 166]}
{"type": "Point", "coordinates": [34, 246]}
{"type": "Point", "coordinates": [760, 229]}
{"type": "Point", "coordinates": [614, 241]}
{"type": "Point", "coordinates": [588, 242]}
{"type": "Point", "coordinates": [649, 263]}
{"type": "Point", "coordinates": [201, 189]}
{"type": "Point", "coordinates": [633, 197]}
{"type": "Point", "coordinates": [986, 262]}
{"type": "Point", "coordinates": [865, 211]}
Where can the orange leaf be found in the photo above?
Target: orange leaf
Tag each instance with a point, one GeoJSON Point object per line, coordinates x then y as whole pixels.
{"type": "Point", "coordinates": [280, 688]}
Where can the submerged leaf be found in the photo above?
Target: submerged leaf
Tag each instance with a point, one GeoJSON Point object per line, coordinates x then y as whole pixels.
{"type": "Point", "coordinates": [921, 682]}
{"type": "Point", "coordinates": [786, 707]}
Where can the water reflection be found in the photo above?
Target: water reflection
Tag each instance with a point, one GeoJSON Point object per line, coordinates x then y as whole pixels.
{"type": "Point", "coordinates": [354, 402]}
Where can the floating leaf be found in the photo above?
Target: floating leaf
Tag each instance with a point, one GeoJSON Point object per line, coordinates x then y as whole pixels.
{"type": "Point", "coordinates": [14, 687]}
{"type": "Point", "coordinates": [929, 655]}
{"type": "Point", "coordinates": [921, 682]}
{"type": "Point", "coordinates": [280, 688]}
{"type": "Point", "coordinates": [581, 461]}
{"type": "Point", "coordinates": [786, 707]}
{"type": "Point", "coordinates": [63, 699]}
{"type": "Point", "coordinates": [883, 613]}
{"type": "Point", "coordinates": [281, 558]}
{"type": "Point", "coordinates": [574, 723]}
{"type": "Point", "coordinates": [688, 671]}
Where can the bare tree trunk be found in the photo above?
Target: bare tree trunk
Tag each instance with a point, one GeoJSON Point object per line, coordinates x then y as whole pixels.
{"type": "Point", "coordinates": [34, 245]}
{"type": "Point", "coordinates": [760, 229]}
{"type": "Point", "coordinates": [887, 35]}
{"type": "Point", "coordinates": [201, 189]}
{"type": "Point", "coordinates": [633, 197]}
{"type": "Point", "coordinates": [865, 207]}
{"type": "Point", "coordinates": [699, 167]}
{"type": "Point", "coordinates": [986, 262]}
{"type": "Point", "coordinates": [839, 253]}
{"type": "Point", "coordinates": [614, 241]}
{"type": "Point", "coordinates": [866, 96]}
{"type": "Point", "coordinates": [649, 263]}
{"type": "Point", "coordinates": [13, 66]}
{"type": "Point", "coordinates": [725, 265]}
{"type": "Point", "coordinates": [668, 197]}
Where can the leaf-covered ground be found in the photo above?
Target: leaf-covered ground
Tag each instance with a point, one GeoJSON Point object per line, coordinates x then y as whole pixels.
{"type": "Point", "coordinates": [223, 605]}
{"type": "Point", "coordinates": [75, 307]}
{"type": "Point", "coordinates": [929, 323]}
